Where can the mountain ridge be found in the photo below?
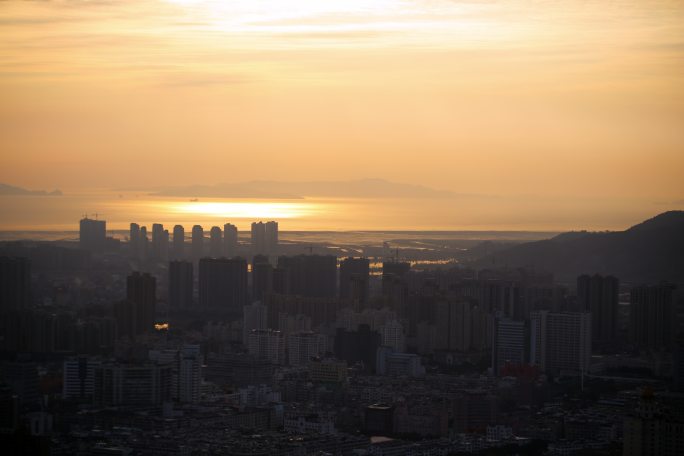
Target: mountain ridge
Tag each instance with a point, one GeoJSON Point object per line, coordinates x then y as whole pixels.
{"type": "Point", "coordinates": [650, 251]}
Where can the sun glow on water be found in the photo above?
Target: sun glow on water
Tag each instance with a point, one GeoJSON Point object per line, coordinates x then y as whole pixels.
{"type": "Point", "coordinates": [247, 210]}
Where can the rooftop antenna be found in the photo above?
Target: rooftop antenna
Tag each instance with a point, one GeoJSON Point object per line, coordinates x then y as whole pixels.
{"type": "Point", "coordinates": [85, 216]}
{"type": "Point", "coordinates": [396, 255]}
{"type": "Point", "coordinates": [311, 250]}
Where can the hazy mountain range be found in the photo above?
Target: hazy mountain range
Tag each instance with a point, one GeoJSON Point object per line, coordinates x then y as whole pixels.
{"type": "Point", "coordinates": [359, 188]}
{"type": "Point", "coordinates": [648, 252]}
{"type": "Point", "coordinates": [6, 189]}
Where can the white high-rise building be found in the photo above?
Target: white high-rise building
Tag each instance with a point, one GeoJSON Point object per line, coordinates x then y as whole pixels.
{"type": "Point", "coordinates": [267, 344]}
{"type": "Point", "coordinates": [560, 341]}
{"type": "Point", "coordinates": [303, 346]}
{"type": "Point", "coordinates": [79, 377]}
{"type": "Point", "coordinates": [393, 336]}
{"type": "Point", "coordinates": [189, 374]}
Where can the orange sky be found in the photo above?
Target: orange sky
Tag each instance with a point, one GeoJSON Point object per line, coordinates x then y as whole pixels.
{"type": "Point", "coordinates": [574, 100]}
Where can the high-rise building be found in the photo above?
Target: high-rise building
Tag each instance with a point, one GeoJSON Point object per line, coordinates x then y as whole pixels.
{"type": "Point", "coordinates": [310, 275]}
{"type": "Point", "coordinates": [197, 242]}
{"type": "Point", "coordinates": [92, 234]}
{"type": "Point", "coordinates": [508, 343]}
{"type": "Point", "coordinates": [143, 244]}
{"type": "Point", "coordinates": [560, 341]}
{"type": "Point", "coordinates": [160, 242]}
{"type": "Point", "coordinates": [223, 284]}
{"type": "Point", "coordinates": [79, 377]}
{"type": "Point", "coordinates": [354, 279]}
{"type": "Point", "coordinates": [303, 346]}
{"type": "Point", "coordinates": [141, 290]}
{"type": "Point", "coordinates": [134, 241]}
{"type": "Point", "coordinates": [215, 242]}
{"type": "Point", "coordinates": [180, 284]}
{"type": "Point", "coordinates": [652, 319]}
{"type": "Point", "coordinates": [132, 384]}
{"type": "Point", "coordinates": [328, 370]}
{"type": "Point", "coordinates": [271, 237]}
{"type": "Point", "coordinates": [599, 295]}
{"type": "Point", "coordinates": [262, 277]}
{"type": "Point", "coordinates": [454, 325]}
{"type": "Point", "coordinates": [281, 281]}
{"type": "Point", "coordinates": [254, 316]}
{"type": "Point", "coordinates": [15, 283]}
{"type": "Point", "coordinates": [358, 346]}
{"type": "Point", "coordinates": [393, 336]}
{"type": "Point", "coordinates": [654, 428]}
{"type": "Point", "coordinates": [267, 344]}
{"type": "Point", "coordinates": [189, 374]}
{"type": "Point", "coordinates": [396, 364]}
{"type": "Point", "coordinates": [178, 242]}
{"type": "Point", "coordinates": [258, 238]}
{"type": "Point", "coordinates": [395, 286]}
{"type": "Point", "coordinates": [230, 240]}
{"type": "Point", "coordinates": [395, 268]}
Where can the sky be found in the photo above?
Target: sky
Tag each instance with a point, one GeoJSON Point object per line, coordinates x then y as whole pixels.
{"type": "Point", "coordinates": [566, 109]}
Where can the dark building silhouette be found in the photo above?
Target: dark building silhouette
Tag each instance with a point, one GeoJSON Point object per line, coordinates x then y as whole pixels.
{"type": "Point", "coordinates": [652, 321]}
{"type": "Point", "coordinates": [178, 242]}
{"type": "Point", "coordinates": [197, 242]}
{"type": "Point", "coordinates": [125, 314]}
{"type": "Point", "coordinates": [143, 244]}
{"type": "Point", "coordinates": [160, 242]}
{"type": "Point", "coordinates": [678, 362]}
{"type": "Point", "coordinates": [454, 325]}
{"type": "Point", "coordinates": [92, 234]}
{"type": "Point", "coordinates": [281, 283]}
{"type": "Point", "coordinates": [395, 268]}
{"type": "Point", "coordinates": [599, 295]}
{"type": "Point", "coordinates": [271, 237]}
{"type": "Point", "coordinates": [378, 419]}
{"type": "Point", "coordinates": [15, 283]}
{"type": "Point", "coordinates": [354, 279]}
{"type": "Point", "coordinates": [215, 242]}
{"type": "Point", "coordinates": [258, 238]}
{"type": "Point", "coordinates": [223, 284]}
{"type": "Point", "coordinates": [262, 277]}
{"type": "Point", "coordinates": [180, 284]}
{"type": "Point", "coordinates": [358, 346]}
{"type": "Point", "coordinates": [394, 286]}
{"type": "Point", "coordinates": [510, 343]}
{"type": "Point", "coordinates": [230, 240]}
{"type": "Point", "coordinates": [310, 275]}
{"type": "Point", "coordinates": [141, 292]}
{"type": "Point", "coordinates": [134, 240]}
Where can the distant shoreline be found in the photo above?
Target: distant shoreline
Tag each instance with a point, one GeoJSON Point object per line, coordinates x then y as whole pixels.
{"type": "Point", "coordinates": [378, 235]}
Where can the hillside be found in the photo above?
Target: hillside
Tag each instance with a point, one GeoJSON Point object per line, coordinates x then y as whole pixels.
{"type": "Point", "coordinates": [648, 252]}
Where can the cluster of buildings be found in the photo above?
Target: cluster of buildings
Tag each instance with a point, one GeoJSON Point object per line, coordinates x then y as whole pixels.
{"type": "Point", "coordinates": [172, 347]}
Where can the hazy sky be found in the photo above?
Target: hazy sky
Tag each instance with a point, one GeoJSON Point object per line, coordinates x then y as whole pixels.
{"type": "Point", "coordinates": [575, 100]}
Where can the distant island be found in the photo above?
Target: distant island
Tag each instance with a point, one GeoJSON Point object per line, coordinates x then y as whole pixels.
{"type": "Point", "coordinates": [11, 190]}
